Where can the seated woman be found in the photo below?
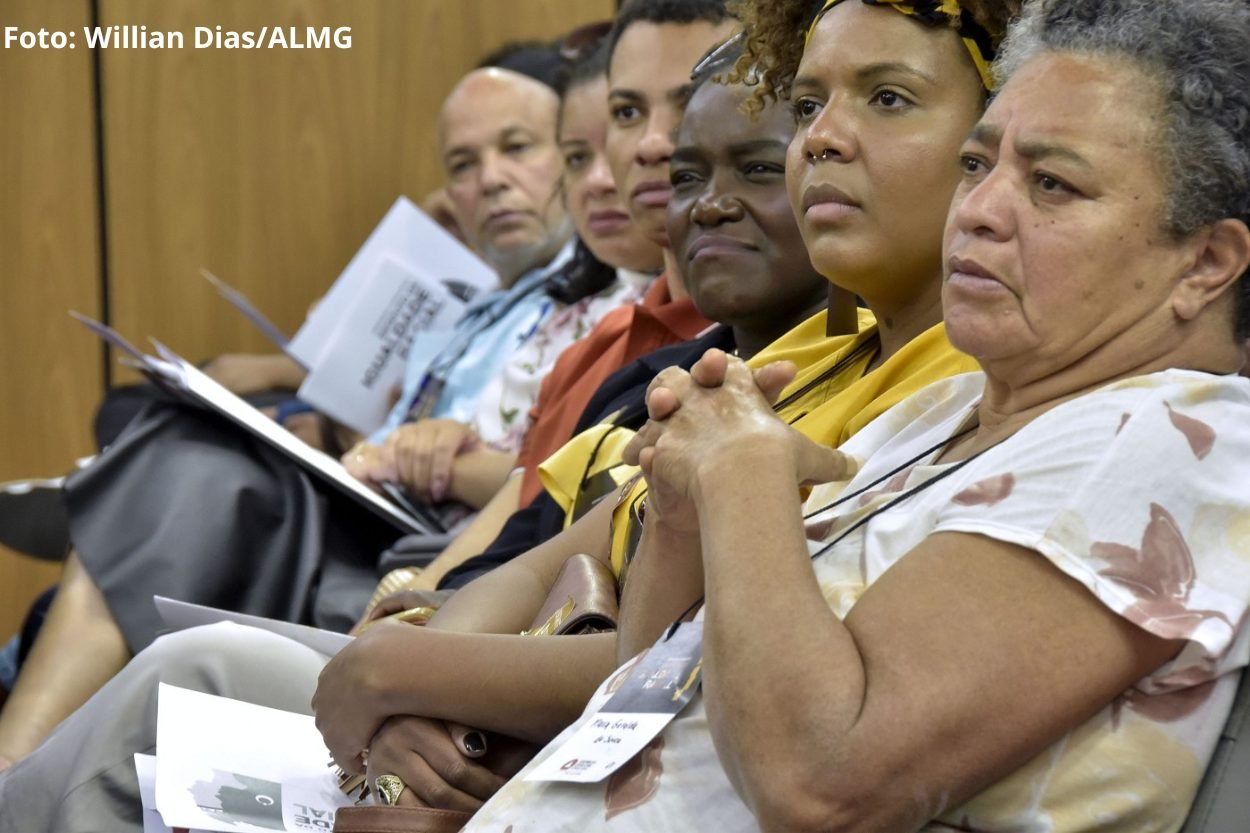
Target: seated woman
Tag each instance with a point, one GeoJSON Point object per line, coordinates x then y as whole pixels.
{"type": "Point", "coordinates": [1021, 603]}
{"type": "Point", "coordinates": [649, 87]}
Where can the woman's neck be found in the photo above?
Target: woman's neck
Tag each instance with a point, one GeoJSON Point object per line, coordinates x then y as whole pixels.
{"type": "Point", "coordinates": [751, 338]}
{"type": "Point", "coordinates": [1014, 397]}
{"type": "Point", "coordinates": [676, 281]}
{"type": "Point", "coordinates": [899, 324]}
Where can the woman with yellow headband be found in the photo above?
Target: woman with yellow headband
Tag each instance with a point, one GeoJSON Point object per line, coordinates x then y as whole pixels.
{"type": "Point", "coordinates": [903, 167]}
{"type": "Point", "coordinates": [883, 94]}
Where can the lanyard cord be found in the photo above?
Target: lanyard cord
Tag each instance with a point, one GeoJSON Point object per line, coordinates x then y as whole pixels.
{"type": "Point", "coordinates": [913, 461]}
{"type": "Point", "coordinates": [432, 383]}
{"type": "Point", "coordinates": [868, 345]}
{"type": "Point", "coordinates": [932, 481]}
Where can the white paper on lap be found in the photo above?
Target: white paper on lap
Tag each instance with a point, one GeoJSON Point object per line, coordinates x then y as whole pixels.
{"type": "Point", "coordinates": [225, 765]}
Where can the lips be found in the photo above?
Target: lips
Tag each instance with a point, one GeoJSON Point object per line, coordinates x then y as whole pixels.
{"type": "Point", "coordinates": [707, 246]}
{"type": "Point", "coordinates": [652, 194]}
{"type": "Point", "coordinates": [968, 274]}
{"type": "Point", "coordinates": [967, 266]}
{"type": "Point", "coordinates": [503, 217]}
{"type": "Point", "coordinates": [825, 203]}
{"type": "Point", "coordinates": [607, 222]}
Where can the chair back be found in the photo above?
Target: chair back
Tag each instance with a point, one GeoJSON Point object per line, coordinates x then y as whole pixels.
{"type": "Point", "coordinates": [1223, 801]}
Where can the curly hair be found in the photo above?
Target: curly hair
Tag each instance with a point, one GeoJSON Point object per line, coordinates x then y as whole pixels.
{"type": "Point", "coordinates": [775, 31]}
{"type": "Point", "coordinates": [1196, 53]}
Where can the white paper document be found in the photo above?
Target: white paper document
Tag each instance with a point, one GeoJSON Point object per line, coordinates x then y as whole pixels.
{"type": "Point", "coordinates": [189, 383]}
{"type": "Point", "coordinates": [225, 765]}
{"type": "Point", "coordinates": [203, 388]}
{"type": "Point", "coordinates": [145, 770]}
{"type": "Point", "coordinates": [365, 354]}
{"type": "Point", "coordinates": [654, 691]}
{"type": "Point", "coordinates": [411, 238]}
{"type": "Point", "coordinates": [182, 615]}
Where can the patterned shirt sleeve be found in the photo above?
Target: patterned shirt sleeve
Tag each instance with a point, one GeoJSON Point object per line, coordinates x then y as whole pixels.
{"type": "Point", "coordinates": [1139, 492]}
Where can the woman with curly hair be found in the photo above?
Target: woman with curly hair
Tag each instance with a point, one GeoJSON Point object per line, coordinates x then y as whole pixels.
{"type": "Point", "coordinates": [883, 95]}
{"type": "Point", "coordinates": [880, 124]}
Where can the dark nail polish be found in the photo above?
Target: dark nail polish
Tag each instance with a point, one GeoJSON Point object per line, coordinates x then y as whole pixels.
{"type": "Point", "coordinates": [475, 742]}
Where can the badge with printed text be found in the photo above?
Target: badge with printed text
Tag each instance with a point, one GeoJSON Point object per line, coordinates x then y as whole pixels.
{"type": "Point", "coordinates": [655, 690]}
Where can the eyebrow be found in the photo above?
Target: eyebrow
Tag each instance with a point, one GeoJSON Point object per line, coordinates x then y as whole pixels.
{"type": "Point", "coordinates": [503, 134]}
{"type": "Point", "coordinates": [688, 153]}
{"type": "Point", "coordinates": [677, 95]}
{"type": "Point", "coordinates": [991, 135]}
{"type": "Point", "coordinates": [869, 71]}
{"type": "Point", "coordinates": [886, 67]}
{"type": "Point", "coordinates": [692, 153]}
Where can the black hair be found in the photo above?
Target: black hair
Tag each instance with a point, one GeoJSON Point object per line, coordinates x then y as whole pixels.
{"type": "Point", "coordinates": [580, 70]}
{"type": "Point", "coordinates": [582, 276]}
{"type": "Point", "coordinates": [665, 11]}
{"type": "Point", "coordinates": [537, 60]}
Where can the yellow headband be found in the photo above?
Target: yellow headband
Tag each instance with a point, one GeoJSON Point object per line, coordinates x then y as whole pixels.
{"type": "Point", "coordinates": [933, 12]}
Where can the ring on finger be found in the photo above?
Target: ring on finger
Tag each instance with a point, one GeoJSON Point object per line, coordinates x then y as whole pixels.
{"type": "Point", "coordinates": [389, 788]}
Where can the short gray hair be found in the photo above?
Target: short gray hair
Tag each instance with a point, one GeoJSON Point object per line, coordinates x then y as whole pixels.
{"type": "Point", "coordinates": [1198, 52]}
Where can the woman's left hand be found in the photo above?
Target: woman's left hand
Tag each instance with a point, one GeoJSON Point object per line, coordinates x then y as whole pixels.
{"type": "Point", "coordinates": [350, 701]}
{"type": "Point", "coordinates": [717, 415]}
{"type": "Point", "coordinates": [436, 770]}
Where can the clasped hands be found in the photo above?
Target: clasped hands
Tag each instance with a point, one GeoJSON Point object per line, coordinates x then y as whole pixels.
{"type": "Point", "coordinates": [442, 764]}
{"type": "Point", "coordinates": [713, 425]}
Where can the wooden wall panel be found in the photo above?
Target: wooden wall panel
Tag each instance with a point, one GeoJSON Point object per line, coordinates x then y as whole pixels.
{"type": "Point", "coordinates": [49, 262]}
{"type": "Point", "coordinates": [269, 167]}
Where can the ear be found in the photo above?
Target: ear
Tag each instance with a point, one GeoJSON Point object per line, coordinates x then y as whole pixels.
{"type": "Point", "coordinates": [1223, 256]}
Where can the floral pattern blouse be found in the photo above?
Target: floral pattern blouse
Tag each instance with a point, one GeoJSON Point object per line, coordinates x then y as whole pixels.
{"type": "Point", "coordinates": [1137, 491]}
{"type": "Point", "coordinates": [501, 414]}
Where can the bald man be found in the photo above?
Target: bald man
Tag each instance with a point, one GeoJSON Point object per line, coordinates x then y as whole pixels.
{"type": "Point", "coordinates": [497, 136]}
{"type": "Point", "coordinates": [497, 142]}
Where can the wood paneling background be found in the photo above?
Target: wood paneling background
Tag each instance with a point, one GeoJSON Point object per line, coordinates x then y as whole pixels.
{"type": "Point", "coordinates": [268, 167]}
{"type": "Point", "coordinates": [50, 368]}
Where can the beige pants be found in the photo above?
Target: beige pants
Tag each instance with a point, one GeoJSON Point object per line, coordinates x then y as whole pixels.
{"type": "Point", "coordinates": [82, 779]}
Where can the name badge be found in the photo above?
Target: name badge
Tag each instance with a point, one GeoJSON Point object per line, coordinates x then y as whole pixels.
{"type": "Point", "coordinates": [659, 686]}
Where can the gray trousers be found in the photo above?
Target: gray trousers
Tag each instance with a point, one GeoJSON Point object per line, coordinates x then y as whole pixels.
{"type": "Point", "coordinates": [82, 779]}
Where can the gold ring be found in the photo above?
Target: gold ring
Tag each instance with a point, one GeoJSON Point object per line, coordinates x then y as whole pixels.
{"type": "Point", "coordinates": [389, 788]}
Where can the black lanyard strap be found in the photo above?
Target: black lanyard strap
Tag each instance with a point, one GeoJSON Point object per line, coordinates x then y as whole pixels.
{"type": "Point", "coordinates": [915, 490]}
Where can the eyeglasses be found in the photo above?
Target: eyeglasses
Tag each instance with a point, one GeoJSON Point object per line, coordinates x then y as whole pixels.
{"type": "Point", "coordinates": [584, 39]}
{"type": "Point", "coordinates": [721, 56]}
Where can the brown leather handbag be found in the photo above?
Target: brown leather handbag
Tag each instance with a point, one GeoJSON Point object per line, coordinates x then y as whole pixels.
{"type": "Point", "coordinates": [399, 820]}
{"type": "Point", "coordinates": [582, 600]}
